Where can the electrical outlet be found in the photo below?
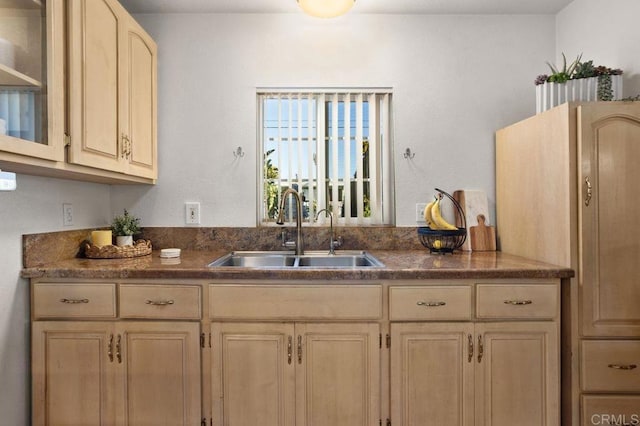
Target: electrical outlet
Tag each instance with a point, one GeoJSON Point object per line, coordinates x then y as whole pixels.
{"type": "Point", "coordinates": [420, 212]}
{"type": "Point", "coordinates": [192, 213]}
{"type": "Point", "coordinates": [67, 214]}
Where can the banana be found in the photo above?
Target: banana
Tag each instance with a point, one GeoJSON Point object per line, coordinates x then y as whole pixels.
{"type": "Point", "coordinates": [427, 215]}
{"type": "Point", "coordinates": [436, 216]}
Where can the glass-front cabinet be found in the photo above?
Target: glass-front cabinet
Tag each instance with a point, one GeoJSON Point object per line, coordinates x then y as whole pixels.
{"type": "Point", "coordinates": [32, 79]}
{"type": "Point", "coordinates": [78, 90]}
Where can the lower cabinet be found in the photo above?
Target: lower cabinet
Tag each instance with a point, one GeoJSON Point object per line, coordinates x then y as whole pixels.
{"type": "Point", "coordinates": [116, 373]}
{"type": "Point", "coordinates": [285, 374]}
{"type": "Point", "coordinates": [517, 374]}
{"type": "Point", "coordinates": [474, 374]}
{"type": "Point", "coordinates": [432, 368]}
{"type": "Point", "coordinates": [492, 364]}
{"type": "Point", "coordinates": [401, 353]}
{"type": "Point", "coordinates": [73, 373]}
{"type": "Point", "coordinates": [610, 410]}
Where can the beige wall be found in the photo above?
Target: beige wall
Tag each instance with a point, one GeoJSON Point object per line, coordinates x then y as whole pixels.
{"type": "Point", "coordinates": [605, 31]}
{"type": "Point", "coordinates": [456, 79]}
{"type": "Point", "coordinates": [36, 206]}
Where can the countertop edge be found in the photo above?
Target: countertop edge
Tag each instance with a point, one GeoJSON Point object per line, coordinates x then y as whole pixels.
{"type": "Point", "coordinates": [399, 265]}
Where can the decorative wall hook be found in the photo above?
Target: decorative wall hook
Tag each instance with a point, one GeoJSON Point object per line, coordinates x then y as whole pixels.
{"type": "Point", "coordinates": [238, 153]}
{"type": "Point", "coordinates": [408, 154]}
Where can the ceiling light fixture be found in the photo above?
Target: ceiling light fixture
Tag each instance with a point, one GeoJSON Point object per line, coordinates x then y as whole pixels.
{"type": "Point", "coordinates": [325, 8]}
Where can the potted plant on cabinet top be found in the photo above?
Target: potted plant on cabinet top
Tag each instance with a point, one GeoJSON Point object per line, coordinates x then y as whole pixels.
{"type": "Point", "coordinates": [578, 81]}
{"type": "Point", "coordinates": [124, 228]}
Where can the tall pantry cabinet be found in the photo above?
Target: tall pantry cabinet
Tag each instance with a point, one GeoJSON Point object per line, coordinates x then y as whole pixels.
{"type": "Point", "coordinates": [568, 192]}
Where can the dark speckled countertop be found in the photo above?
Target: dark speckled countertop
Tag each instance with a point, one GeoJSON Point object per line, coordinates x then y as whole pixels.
{"type": "Point", "coordinates": [61, 255]}
{"type": "Point", "coordinates": [399, 264]}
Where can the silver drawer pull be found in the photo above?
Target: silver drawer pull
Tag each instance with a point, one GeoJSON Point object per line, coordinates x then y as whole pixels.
{"type": "Point", "coordinates": [431, 304]}
{"type": "Point", "coordinates": [73, 301]}
{"type": "Point", "coordinates": [160, 302]}
{"type": "Point", "coordinates": [518, 302]}
{"type": "Point", "coordinates": [623, 366]}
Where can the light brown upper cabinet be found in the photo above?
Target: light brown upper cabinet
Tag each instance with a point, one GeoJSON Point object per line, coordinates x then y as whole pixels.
{"type": "Point", "coordinates": [112, 90]}
{"type": "Point", "coordinates": [78, 98]}
{"type": "Point", "coordinates": [31, 81]}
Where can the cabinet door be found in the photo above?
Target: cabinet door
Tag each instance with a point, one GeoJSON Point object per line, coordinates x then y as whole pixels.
{"type": "Point", "coordinates": [72, 367]}
{"type": "Point", "coordinates": [32, 81]}
{"type": "Point", "coordinates": [95, 40]}
{"type": "Point", "coordinates": [517, 374]}
{"type": "Point", "coordinates": [610, 150]}
{"type": "Point", "coordinates": [253, 374]}
{"type": "Point", "coordinates": [159, 369]}
{"type": "Point", "coordinates": [432, 368]}
{"type": "Point", "coordinates": [337, 377]}
{"type": "Point", "coordinates": [138, 107]}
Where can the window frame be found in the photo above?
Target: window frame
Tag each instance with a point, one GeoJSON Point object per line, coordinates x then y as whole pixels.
{"type": "Point", "coordinates": [380, 139]}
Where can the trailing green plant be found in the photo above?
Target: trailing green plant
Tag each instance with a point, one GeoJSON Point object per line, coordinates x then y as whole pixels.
{"type": "Point", "coordinates": [605, 90]}
{"type": "Point", "coordinates": [126, 224]}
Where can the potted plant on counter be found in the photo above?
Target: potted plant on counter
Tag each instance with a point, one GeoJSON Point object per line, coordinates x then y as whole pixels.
{"type": "Point", "coordinates": [578, 81]}
{"type": "Point", "coordinates": [124, 228]}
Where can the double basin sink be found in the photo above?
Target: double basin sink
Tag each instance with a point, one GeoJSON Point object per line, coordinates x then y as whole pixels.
{"type": "Point", "coordinates": [342, 259]}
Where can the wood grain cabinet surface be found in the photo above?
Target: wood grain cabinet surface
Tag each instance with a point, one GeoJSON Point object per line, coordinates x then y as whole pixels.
{"type": "Point", "coordinates": [112, 90]}
{"type": "Point", "coordinates": [295, 353]}
{"type": "Point", "coordinates": [79, 300]}
{"type": "Point", "coordinates": [323, 374]}
{"type": "Point", "coordinates": [95, 95]}
{"type": "Point", "coordinates": [90, 371]}
{"type": "Point", "coordinates": [478, 372]}
{"type": "Point", "coordinates": [567, 194]}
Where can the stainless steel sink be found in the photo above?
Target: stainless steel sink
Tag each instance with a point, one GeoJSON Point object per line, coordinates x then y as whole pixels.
{"type": "Point", "coordinates": [255, 259]}
{"type": "Point", "coordinates": [311, 259]}
{"type": "Point", "coordinates": [339, 260]}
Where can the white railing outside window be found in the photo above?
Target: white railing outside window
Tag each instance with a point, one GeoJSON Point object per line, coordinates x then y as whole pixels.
{"type": "Point", "coordinates": [333, 147]}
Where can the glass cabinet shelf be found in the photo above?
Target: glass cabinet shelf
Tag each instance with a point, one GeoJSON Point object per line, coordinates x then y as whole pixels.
{"type": "Point", "coordinates": [21, 4]}
{"type": "Point", "coordinates": [11, 77]}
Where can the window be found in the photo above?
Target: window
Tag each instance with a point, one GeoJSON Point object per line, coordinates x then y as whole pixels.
{"type": "Point", "coordinates": [333, 147]}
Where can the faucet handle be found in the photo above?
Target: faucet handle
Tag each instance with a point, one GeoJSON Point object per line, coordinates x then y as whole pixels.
{"type": "Point", "coordinates": [337, 243]}
{"type": "Point", "coordinates": [284, 235]}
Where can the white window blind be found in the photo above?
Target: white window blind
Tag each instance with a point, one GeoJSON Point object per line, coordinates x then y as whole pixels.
{"type": "Point", "coordinates": [333, 147]}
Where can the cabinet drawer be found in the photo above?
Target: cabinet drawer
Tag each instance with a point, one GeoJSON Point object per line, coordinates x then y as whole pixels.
{"type": "Point", "coordinates": [610, 366]}
{"type": "Point", "coordinates": [160, 301]}
{"type": "Point", "coordinates": [81, 300]}
{"type": "Point", "coordinates": [532, 301]}
{"type": "Point", "coordinates": [304, 301]}
{"type": "Point", "coordinates": [610, 410]}
{"type": "Point", "coordinates": [430, 303]}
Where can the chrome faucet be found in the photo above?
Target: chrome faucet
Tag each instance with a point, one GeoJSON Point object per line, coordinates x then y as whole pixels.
{"type": "Point", "coordinates": [333, 243]}
{"type": "Point", "coordinates": [280, 220]}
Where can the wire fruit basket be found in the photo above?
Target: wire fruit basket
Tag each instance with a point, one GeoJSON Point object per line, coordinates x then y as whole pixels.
{"type": "Point", "coordinates": [443, 240]}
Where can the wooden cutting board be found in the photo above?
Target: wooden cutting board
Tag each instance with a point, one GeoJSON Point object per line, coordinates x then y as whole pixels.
{"type": "Point", "coordinates": [483, 237]}
{"type": "Point", "coordinates": [473, 203]}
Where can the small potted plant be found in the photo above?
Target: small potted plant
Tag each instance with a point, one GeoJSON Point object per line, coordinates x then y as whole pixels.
{"type": "Point", "coordinates": [578, 81]}
{"type": "Point", "coordinates": [124, 228]}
